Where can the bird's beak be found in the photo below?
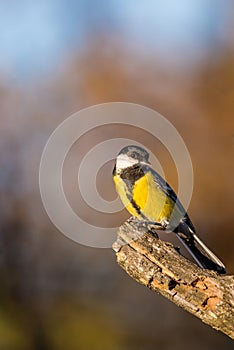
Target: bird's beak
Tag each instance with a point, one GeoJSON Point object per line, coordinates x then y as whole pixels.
{"type": "Point", "coordinates": [146, 163]}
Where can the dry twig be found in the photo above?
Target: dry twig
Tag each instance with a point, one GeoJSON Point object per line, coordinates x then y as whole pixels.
{"type": "Point", "coordinates": [159, 266]}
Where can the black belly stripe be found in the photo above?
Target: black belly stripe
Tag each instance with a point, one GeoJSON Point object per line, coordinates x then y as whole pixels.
{"type": "Point", "coordinates": [138, 210]}
{"type": "Point", "coordinates": [130, 176]}
{"type": "Point", "coordinates": [131, 200]}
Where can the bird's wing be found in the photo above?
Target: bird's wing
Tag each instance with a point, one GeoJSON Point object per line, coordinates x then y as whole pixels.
{"type": "Point", "coordinates": [166, 188]}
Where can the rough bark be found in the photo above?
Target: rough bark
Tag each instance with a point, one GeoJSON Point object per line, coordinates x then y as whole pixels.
{"type": "Point", "coordinates": [159, 266]}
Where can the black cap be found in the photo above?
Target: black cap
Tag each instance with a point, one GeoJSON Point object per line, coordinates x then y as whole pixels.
{"type": "Point", "coordinates": [136, 152]}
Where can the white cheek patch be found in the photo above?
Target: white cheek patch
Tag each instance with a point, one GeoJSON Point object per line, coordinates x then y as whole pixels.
{"type": "Point", "coordinates": [123, 161]}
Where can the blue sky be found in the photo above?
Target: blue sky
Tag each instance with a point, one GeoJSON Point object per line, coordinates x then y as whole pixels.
{"type": "Point", "coordinates": [35, 36]}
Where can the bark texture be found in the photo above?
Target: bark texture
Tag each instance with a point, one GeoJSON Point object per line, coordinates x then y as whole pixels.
{"type": "Point", "coordinates": [159, 266]}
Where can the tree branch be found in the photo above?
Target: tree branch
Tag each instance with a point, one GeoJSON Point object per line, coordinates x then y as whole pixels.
{"type": "Point", "coordinates": [159, 266]}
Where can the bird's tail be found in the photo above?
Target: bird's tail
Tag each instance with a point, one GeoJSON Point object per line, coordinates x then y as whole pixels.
{"type": "Point", "coordinates": [199, 251]}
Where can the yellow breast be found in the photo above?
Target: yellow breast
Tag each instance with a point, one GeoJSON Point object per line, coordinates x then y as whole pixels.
{"type": "Point", "coordinates": [123, 192]}
{"type": "Point", "coordinates": [148, 196]}
{"type": "Point", "coordinates": [153, 202]}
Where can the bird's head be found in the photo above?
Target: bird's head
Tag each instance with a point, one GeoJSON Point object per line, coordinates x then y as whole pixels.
{"type": "Point", "coordinates": [131, 155]}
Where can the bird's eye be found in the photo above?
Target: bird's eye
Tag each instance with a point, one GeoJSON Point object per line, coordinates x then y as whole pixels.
{"type": "Point", "coordinates": [134, 155]}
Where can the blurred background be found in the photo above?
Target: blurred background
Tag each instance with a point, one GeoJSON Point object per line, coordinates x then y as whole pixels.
{"type": "Point", "coordinates": [58, 57]}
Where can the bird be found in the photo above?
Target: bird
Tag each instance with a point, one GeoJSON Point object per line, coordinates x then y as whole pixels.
{"type": "Point", "coordinates": [148, 197]}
